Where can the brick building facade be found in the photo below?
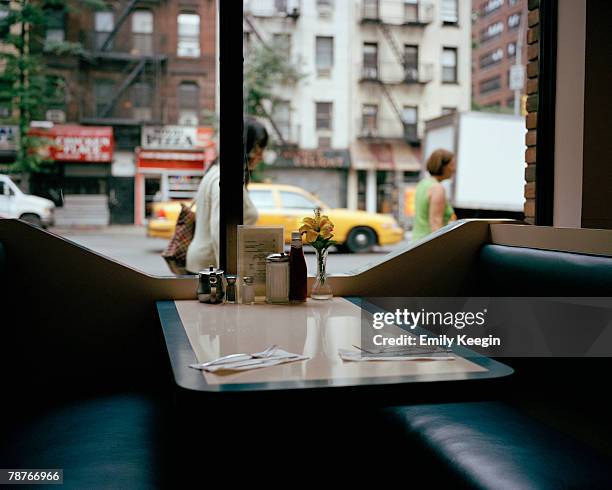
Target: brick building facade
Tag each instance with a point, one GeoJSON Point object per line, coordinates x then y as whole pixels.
{"type": "Point", "coordinates": [496, 29]}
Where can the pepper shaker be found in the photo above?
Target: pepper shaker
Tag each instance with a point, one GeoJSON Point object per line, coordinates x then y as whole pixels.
{"type": "Point", "coordinates": [248, 290]}
{"type": "Point", "coordinates": [231, 292]}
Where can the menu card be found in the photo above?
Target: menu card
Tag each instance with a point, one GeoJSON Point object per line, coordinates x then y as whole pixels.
{"type": "Point", "coordinates": [255, 243]}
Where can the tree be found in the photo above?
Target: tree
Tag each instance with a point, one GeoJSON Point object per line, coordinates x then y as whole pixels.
{"type": "Point", "coordinates": [33, 89]}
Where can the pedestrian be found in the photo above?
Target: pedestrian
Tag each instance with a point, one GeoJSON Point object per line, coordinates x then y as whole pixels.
{"type": "Point", "coordinates": [204, 249]}
{"type": "Point", "coordinates": [432, 209]}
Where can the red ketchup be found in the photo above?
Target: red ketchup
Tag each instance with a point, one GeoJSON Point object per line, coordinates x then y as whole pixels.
{"type": "Point", "coordinates": [297, 269]}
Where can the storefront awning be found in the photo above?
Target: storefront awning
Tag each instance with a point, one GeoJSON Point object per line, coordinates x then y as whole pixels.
{"type": "Point", "coordinates": [385, 156]}
{"type": "Point", "coordinates": [174, 160]}
{"type": "Point", "coordinates": [75, 143]}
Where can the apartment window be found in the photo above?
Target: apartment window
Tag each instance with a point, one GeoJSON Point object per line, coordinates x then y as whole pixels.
{"type": "Point", "coordinates": [5, 10]}
{"type": "Point", "coordinates": [370, 9]}
{"type": "Point", "coordinates": [514, 21]}
{"type": "Point", "coordinates": [410, 118]}
{"type": "Point", "coordinates": [492, 31]}
{"type": "Point", "coordinates": [490, 85]}
{"type": "Point", "coordinates": [449, 12]}
{"type": "Point", "coordinates": [449, 65]}
{"type": "Point", "coordinates": [281, 6]}
{"type": "Point", "coordinates": [411, 11]}
{"type": "Point", "coordinates": [491, 6]}
{"type": "Point", "coordinates": [448, 110]}
{"type": "Point", "coordinates": [369, 119]}
{"type": "Point", "coordinates": [55, 92]}
{"type": "Point", "coordinates": [511, 50]}
{"type": "Point", "coordinates": [513, 2]}
{"type": "Point", "coordinates": [142, 32]}
{"type": "Point", "coordinates": [370, 61]}
{"type": "Point", "coordinates": [324, 142]}
{"type": "Point", "coordinates": [325, 7]}
{"type": "Point", "coordinates": [491, 58]}
{"type": "Point", "coordinates": [282, 44]}
{"type": "Point", "coordinates": [104, 91]}
{"type": "Point", "coordinates": [411, 63]}
{"type": "Point", "coordinates": [324, 54]}
{"type": "Point", "coordinates": [142, 101]}
{"type": "Point", "coordinates": [104, 23]}
{"type": "Point", "coordinates": [55, 26]}
{"type": "Point", "coordinates": [282, 119]}
{"type": "Point", "coordinates": [324, 116]}
{"type": "Point", "coordinates": [188, 35]}
{"type": "Point", "coordinates": [188, 104]}
{"type": "Point", "coordinates": [6, 98]}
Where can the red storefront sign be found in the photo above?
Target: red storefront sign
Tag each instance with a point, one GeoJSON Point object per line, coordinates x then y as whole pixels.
{"type": "Point", "coordinates": [74, 143]}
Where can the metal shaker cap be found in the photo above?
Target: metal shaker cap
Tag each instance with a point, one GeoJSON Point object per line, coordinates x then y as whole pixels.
{"type": "Point", "coordinates": [248, 279]}
{"type": "Point", "coordinates": [281, 257]}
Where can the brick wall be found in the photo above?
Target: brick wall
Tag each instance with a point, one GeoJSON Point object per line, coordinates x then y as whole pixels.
{"type": "Point", "coordinates": [533, 69]}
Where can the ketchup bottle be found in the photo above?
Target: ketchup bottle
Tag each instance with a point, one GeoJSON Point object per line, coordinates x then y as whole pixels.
{"type": "Point", "coordinates": [297, 269]}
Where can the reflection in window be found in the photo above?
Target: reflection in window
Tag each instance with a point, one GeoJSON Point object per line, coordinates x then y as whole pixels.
{"type": "Point", "coordinates": [142, 32]}
{"type": "Point", "coordinates": [262, 199]}
{"type": "Point", "coordinates": [449, 65]}
{"type": "Point", "coordinates": [324, 54]}
{"type": "Point", "coordinates": [324, 115]}
{"type": "Point", "coordinates": [104, 23]}
{"type": "Point", "coordinates": [188, 103]}
{"type": "Point", "coordinates": [188, 35]}
{"type": "Point", "coordinates": [293, 200]}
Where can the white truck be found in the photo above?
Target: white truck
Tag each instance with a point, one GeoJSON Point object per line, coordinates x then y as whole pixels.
{"type": "Point", "coordinates": [490, 152]}
{"type": "Point", "coordinates": [15, 204]}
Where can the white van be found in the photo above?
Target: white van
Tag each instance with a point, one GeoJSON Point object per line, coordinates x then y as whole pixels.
{"type": "Point", "coordinates": [16, 204]}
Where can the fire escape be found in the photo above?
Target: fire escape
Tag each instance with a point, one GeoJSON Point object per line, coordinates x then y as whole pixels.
{"type": "Point", "coordinates": [289, 11]}
{"type": "Point", "coordinates": [412, 73]}
{"type": "Point", "coordinates": [109, 54]}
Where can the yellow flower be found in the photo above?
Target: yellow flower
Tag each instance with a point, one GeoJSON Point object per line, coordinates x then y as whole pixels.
{"type": "Point", "coordinates": [310, 221]}
{"type": "Point", "coordinates": [311, 236]}
{"type": "Point", "coordinates": [326, 230]}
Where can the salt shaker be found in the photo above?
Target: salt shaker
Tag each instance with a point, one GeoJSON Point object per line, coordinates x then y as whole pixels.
{"type": "Point", "coordinates": [231, 292]}
{"type": "Point", "coordinates": [248, 290]}
{"type": "Point", "coordinates": [277, 278]}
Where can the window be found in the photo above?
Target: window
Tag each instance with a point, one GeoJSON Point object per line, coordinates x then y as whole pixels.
{"type": "Point", "coordinates": [262, 199]}
{"type": "Point", "coordinates": [449, 65]}
{"type": "Point", "coordinates": [448, 110]}
{"type": "Point", "coordinates": [370, 61]}
{"type": "Point", "coordinates": [324, 115]}
{"type": "Point", "coordinates": [5, 10]}
{"type": "Point", "coordinates": [188, 36]}
{"type": "Point", "coordinates": [370, 9]}
{"type": "Point", "coordinates": [491, 58]}
{"type": "Point", "coordinates": [282, 119]}
{"type": "Point", "coordinates": [411, 63]}
{"type": "Point", "coordinates": [369, 119]}
{"type": "Point", "coordinates": [324, 142]}
{"type": "Point", "coordinates": [104, 90]}
{"type": "Point", "coordinates": [55, 31]}
{"type": "Point", "coordinates": [142, 32]}
{"type": "Point", "coordinates": [449, 12]}
{"type": "Point", "coordinates": [490, 85]}
{"type": "Point", "coordinates": [324, 54]}
{"type": "Point", "coordinates": [281, 6]}
{"type": "Point", "coordinates": [325, 7]}
{"type": "Point", "coordinates": [514, 21]}
{"type": "Point", "coordinates": [411, 11]}
{"type": "Point", "coordinates": [492, 31]}
{"type": "Point", "coordinates": [282, 44]}
{"type": "Point", "coordinates": [142, 101]}
{"type": "Point", "coordinates": [104, 23]}
{"type": "Point", "coordinates": [492, 6]}
{"type": "Point", "coordinates": [55, 93]}
{"type": "Point", "coordinates": [293, 200]}
{"type": "Point", "coordinates": [511, 50]}
{"type": "Point", "coordinates": [6, 98]}
{"type": "Point", "coordinates": [410, 118]}
{"type": "Point", "coordinates": [188, 104]}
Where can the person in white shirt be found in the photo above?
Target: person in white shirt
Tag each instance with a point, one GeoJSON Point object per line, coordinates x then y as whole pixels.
{"type": "Point", "coordinates": [204, 249]}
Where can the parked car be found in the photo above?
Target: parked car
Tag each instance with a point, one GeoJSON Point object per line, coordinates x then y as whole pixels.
{"type": "Point", "coordinates": [15, 204]}
{"type": "Point", "coordinates": [286, 205]}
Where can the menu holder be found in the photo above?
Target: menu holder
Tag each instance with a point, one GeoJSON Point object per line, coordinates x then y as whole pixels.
{"type": "Point", "coordinates": [255, 243]}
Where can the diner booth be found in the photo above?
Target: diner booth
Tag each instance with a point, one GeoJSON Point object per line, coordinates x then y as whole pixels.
{"type": "Point", "coordinates": [96, 355]}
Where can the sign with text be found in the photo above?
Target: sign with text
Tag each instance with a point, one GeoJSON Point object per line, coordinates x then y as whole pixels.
{"type": "Point", "coordinates": [313, 158]}
{"type": "Point", "coordinates": [176, 137]}
{"type": "Point", "coordinates": [74, 143]}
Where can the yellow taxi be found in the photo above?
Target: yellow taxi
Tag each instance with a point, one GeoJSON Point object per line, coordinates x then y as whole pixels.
{"type": "Point", "coordinates": [286, 205]}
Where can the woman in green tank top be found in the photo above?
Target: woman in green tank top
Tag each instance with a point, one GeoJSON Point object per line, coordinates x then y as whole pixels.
{"type": "Point", "coordinates": [431, 207]}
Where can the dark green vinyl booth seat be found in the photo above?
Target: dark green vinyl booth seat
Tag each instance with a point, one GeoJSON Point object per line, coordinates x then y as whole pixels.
{"type": "Point", "coordinates": [497, 444]}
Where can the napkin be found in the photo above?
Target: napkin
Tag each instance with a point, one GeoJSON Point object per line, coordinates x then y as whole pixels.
{"type": "Point", "coordinates": [360, 356]}
{"type": "Point", "coordinates": [244, 362]}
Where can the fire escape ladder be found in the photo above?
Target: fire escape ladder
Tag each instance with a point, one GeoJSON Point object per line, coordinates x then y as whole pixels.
{"type": "Point", "coordinates": [391, 100]}
{"type": "Point", "coordinates": [122, 18]}
{"type": "Point", "coordinates": [268, 117]}
{"type": "Point", "coordinates": [123, 87]}
{"type": "Point", "coordinates": [394, 47]}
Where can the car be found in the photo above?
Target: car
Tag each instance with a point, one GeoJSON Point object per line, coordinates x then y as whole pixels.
{"type": "Point", "coordinates": [15, 204]}
{"type": "Point", "coordinates": [286, 205]}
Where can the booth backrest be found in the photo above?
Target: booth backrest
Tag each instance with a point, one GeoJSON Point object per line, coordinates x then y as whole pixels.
{"type": "Point", "coordinates": [517, 271]}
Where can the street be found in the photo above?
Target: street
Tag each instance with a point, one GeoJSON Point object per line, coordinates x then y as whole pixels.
{"type": "Point", "coordinates": [131, 246]}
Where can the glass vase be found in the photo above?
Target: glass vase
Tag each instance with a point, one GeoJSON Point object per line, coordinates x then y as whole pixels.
{"type": "Point", "coordinates": [321, 289]}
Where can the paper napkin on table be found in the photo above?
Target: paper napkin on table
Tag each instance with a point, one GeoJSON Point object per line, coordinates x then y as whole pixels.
{"type": "Point", "coordinates": [360, 356]}
{"type": "Point", "coordinates": [244, 362]}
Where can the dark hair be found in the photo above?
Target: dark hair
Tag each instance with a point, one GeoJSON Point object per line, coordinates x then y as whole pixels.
{"type": "Point", "coordinates": [438, 160]}
{"type": "Point", "coordinates": [255, 134]}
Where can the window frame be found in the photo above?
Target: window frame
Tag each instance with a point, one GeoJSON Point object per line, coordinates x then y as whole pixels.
{"type": "Point", "coordinates": [185, 37]}
{"type": "Point", "coordinates": [455, 80]}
